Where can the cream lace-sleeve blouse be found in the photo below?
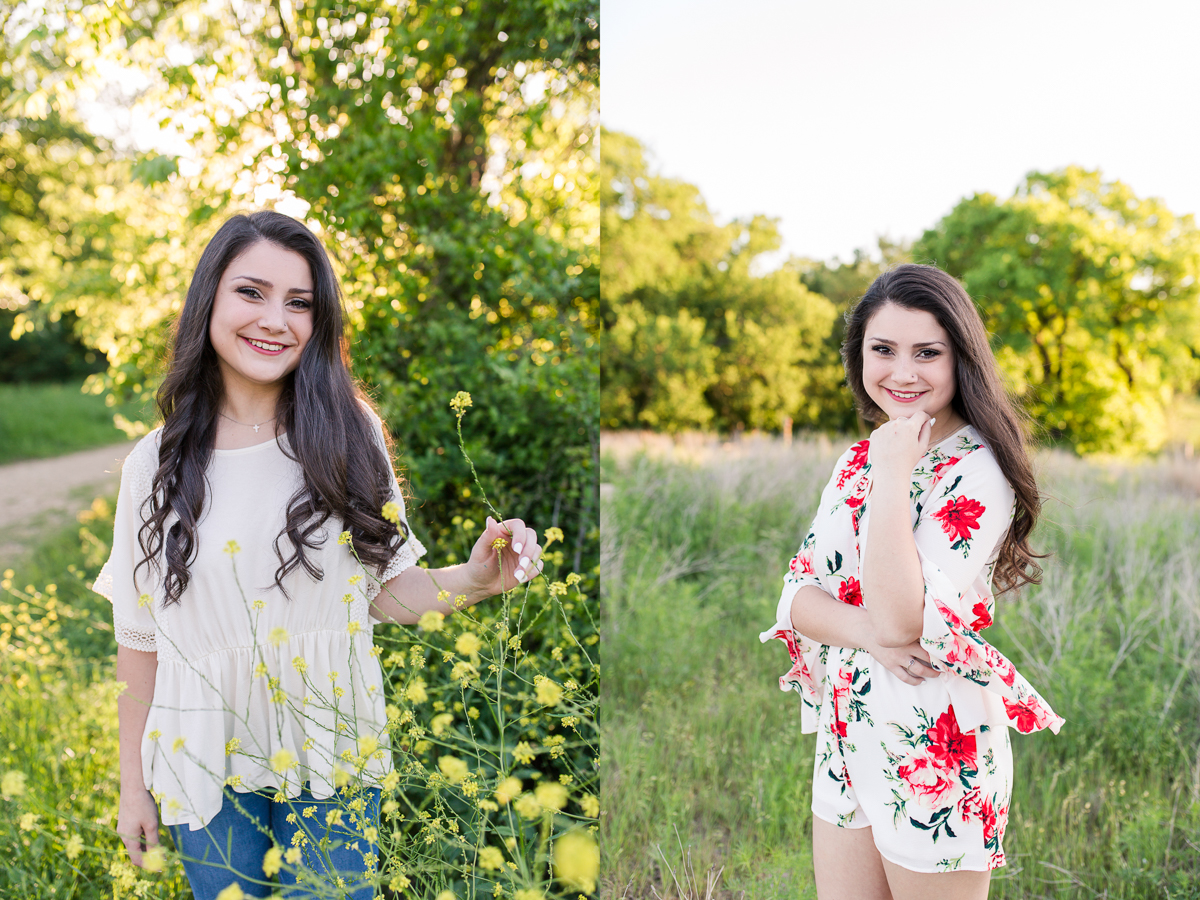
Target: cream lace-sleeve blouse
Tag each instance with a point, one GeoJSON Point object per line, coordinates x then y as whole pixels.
{"type": "Point", "coordinates": [252, 690]}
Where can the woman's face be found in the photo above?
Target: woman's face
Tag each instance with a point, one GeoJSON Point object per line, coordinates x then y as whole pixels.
{"type": "Point", "coordinates": [262, 316]}
{"type": "Point", "coordinates": [908, 362]}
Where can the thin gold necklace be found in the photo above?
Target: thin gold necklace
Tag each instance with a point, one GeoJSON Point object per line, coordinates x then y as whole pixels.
{"type": "Point", "coordinates": [247, 424]}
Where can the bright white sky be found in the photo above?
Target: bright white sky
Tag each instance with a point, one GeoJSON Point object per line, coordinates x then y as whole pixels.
{"type": "Point", "coordinates": [851, 120]}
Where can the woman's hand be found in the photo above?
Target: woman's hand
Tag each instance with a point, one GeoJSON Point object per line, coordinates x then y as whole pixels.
{"type": "Point", "coordinates": [911, 664]}
{"type": "Point", "coordinates": [518, 561]}
{"type": "Point", "coordinates": [898, 445]}
{"type": "Point", "coordinates": [137, 822]}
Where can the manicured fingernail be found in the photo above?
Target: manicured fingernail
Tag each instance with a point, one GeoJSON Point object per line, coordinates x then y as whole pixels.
{"type": "Point", "coordinates": [517, 548]}
{"type": "Point", "coordinates": [520, 576]}
{"type": "Point", "coordinates": [523, 562]}
{"type": "Point", "coordinates": [932, 420]}
{"type": "Point", "coordinates": [539, 565]}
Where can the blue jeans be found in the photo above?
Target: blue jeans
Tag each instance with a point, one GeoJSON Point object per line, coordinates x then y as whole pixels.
{"type": "Point", "coordinates": [231, 847]}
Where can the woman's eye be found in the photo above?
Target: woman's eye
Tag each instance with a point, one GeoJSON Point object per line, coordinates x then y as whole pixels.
{"type": "Point", "coordinates": [300, 304]}
{"type": "Point", "coordinates": [930, 354]}
{"type": "Point", "coordinates": [248, 292]}
{"type": "Point", "coordinates": [882, 349]}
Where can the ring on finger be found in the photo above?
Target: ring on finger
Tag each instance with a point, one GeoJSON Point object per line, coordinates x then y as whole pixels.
{"type": "Point", "coordinates": [908, 668]}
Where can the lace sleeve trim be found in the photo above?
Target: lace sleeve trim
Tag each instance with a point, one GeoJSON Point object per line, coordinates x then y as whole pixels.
{"type": "Point", "coordinates": [131, 635]}
{"type": "Point", "coordinates": [406, 557]}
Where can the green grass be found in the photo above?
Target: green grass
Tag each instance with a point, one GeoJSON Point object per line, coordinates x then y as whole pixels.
{"type": "Point", "coordinates": [699, 741]}
{"type": "Point", "coordinates": [43, 420]}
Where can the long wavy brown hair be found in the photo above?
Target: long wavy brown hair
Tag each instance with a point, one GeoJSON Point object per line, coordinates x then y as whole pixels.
{"type": "Point", "coordinates": [979, 396]}
{"type": "Point", "coordinates": [346, 476]}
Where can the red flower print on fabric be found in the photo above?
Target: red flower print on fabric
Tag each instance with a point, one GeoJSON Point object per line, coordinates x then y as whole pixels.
{"type": "Point", "coordinates": [850, 591]}
{"type": "Point", "coordinates": [948, 746]}
{"type": "Point", "coordinates": [1025, 714]}
{"type": "Point", "coordinates": [856, 462]}
{"type": "Point", "coordinates": [931, 785]}
{"type": "Point", "coordinates": [937, 470]}
{"type": "Point", "coordinates": [802, 563]}
{"type": "Point", "coordinates": [959, 517]}
{"type": "Point", "coordinates": [983, 618]}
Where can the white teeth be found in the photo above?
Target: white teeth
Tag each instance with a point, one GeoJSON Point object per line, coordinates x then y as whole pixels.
{"type": "Point", "coordinates": [264, 345]}
{"type": "Point", "coordinates": [907, 395]}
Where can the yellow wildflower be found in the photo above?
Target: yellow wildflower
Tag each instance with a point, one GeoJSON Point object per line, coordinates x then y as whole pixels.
{"type": "Point", "coordinates": [552, 535]}
{"type": "Point", "coordinates": [354, 627]}
{"type": "Point", "coordinates": [233, 780]}
{"type": "Point", "coordinates": [283, 759]}
{"type": "Point", "coordinates": [28, 822]}
{"type": "Point", "coordinates": [440, 723]}
{"type": "Point", "coordinates": [347, 599]}
{"type": "Point", "coordinates": [333, 817]}
{"type": "Point", "coordinates": [490, 858]}
{"type": "Point", "coordinates": [460, 403]}
{"type": "Point", "coordinates": [574, 578]}
{"type": "Point", "coordinates": [178, 745]}
{"type": "Point", "coordinates": [446, 895]}
{"type": "Point", "coordinates": [344, 538]}
{"type": "Point", "coordinates": [367, 744]}
{"type": "Point", "coordinates": [468, 643]}
{"type": "Point", "coordinates": [232, 548]}
{"type": "Point", "coordinates": [260, 671]}
{"type": "Point", "coordinates": [145, 600]}
{"type": "Point", "coordinates": [590, 806]}
{"type": "Point", "coordinates": [499, 543]}
{"type": "Point", "coordinates": [577, 860]}
{"type": "Point", "coordinates": [463, 671]}
{"type": "Point", "coordinates": [293, 855]}
{"type": "Point", "coordinates": [341, 776]}
{"type": "Point", "coordinates": [259, 604]}
{"type": "Point", "coordinates": [74, 847]}
{"type": "Point", "coordinates": [510, 787]}
{"type": "Point", "coordinates": [154, 735]}
{"type": "Point", "coordinates": [354, 579]}
{"type": "Point", "coordinates": [13, 784]}
{"type": "Point", "coordinates": [300, 664]}
{"type": "Point", "coordinates": [528, 806]}
{"type": "Point", "coordinates": [549, 692]}
{"type": "Point", "coordinates": [551, 795]}
{"type": "Point", "coordinates": [231, 745]}
{"type": "Point", "coordinates": [523, 753]}
{"type": "Point", "coordinates": [453, 768]}
{"type": "Point", "coordinates": [529, 894]}
{"type": "Point", "coordinates": [272, 861]}
{"type": "Point", "coordinates": [416, 691]}
{"type": "Point", "coordinates": [154, 859]}
{"type": "Point", "coordinates": [391, 512]}
{"type": "Point", "coordinates": [233, 892]}
{"type": "Point", "coordinates": [277, 636]}
{"type": "Point", "coordinates": [432, 621]}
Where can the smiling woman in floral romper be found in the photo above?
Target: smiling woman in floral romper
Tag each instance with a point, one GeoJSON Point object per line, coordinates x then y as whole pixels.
{"type": "Point", "coordinates": [883, 607]}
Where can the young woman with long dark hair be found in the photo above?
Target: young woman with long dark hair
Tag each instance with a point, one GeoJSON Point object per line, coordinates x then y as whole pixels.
{"type": "Point", "coordinates": [254, 531]}
{"type": "Point", "coordinates": [883, 605]}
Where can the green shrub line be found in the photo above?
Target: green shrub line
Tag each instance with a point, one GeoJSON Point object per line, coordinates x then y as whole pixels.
{"type": "Point", "coordinates": [491, 716]}
{"type": "Point", "coordinates": [698, 739]}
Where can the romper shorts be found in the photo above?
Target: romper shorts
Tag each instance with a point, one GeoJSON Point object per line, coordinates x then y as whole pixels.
{"type": "Point", "coordinates": [890, 756]}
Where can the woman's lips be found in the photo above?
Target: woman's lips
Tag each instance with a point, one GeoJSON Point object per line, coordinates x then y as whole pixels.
{"type": "Point", "coordinates": [257, 349]}
{"type": "Point", "coordinates": [916, 395]}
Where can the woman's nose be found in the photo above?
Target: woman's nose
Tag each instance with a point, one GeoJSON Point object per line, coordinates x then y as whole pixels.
{"type": "Point", "coordinates": [273, 318]}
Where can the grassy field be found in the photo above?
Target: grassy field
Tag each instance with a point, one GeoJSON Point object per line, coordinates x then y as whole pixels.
{"type": "Point", "coordinates": [704, 765]}
{"type": "Point", "coordinates": [43, 420]}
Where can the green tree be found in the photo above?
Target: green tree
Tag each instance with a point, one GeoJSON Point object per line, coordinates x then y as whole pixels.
{"type": "Point", "coordinates": [1091, 295]}
{"type": "Point", "coordinates": [761, 355]}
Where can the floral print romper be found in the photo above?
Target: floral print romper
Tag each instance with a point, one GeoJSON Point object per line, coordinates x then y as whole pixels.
{"type": "Point", "coordinates": [927, 767]}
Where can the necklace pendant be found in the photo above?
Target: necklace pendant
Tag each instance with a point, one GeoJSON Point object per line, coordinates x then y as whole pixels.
{"type": "Point", "coordinates": [256, 427]}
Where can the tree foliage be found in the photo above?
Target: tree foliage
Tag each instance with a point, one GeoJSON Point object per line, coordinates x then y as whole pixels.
{"type": "Point", "coordinates": [695, 336]}
{"type": "Point", "coordinates": [1090, 293]}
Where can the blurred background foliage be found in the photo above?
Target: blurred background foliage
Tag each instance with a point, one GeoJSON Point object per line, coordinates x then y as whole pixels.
{"type": "Point", "coordinates": [445, 151]}
{"type": "Point", "coordinates": [1089, 292]}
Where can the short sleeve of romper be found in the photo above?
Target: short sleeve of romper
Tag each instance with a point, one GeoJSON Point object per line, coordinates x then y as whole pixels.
{"type": "Point", "coordinates": [253, 689]}
{"type": "Point", "coordinates": [961, 511]}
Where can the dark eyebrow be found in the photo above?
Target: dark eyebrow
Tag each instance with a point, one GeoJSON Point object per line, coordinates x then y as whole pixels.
{"type": "Point", "coordinates": [919, 346]}
{"type": "Point", "coordinates": [268, 284]}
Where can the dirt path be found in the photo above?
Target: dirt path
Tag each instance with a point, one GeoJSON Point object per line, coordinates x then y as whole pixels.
{"type": "Point", "coordinates": [41, 495]}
